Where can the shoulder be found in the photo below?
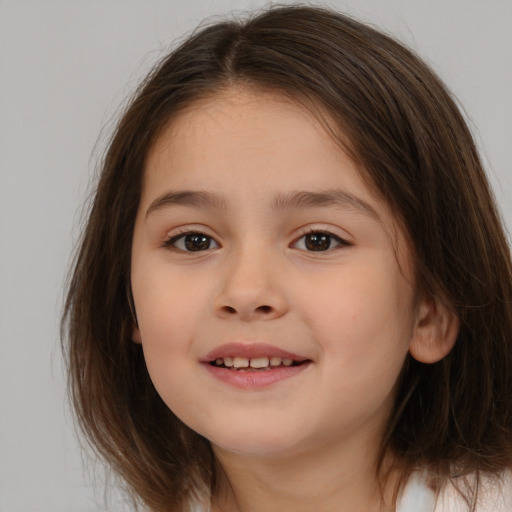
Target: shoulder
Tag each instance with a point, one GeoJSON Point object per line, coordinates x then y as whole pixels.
{"type": "Point", "coordinates": [494, 495]}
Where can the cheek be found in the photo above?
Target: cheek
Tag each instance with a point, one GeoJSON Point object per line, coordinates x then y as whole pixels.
{"type": "Point", "coordinates": [169, 313]}
{"type": "Point", "coordinates": [167, 321]}
{"type": "Point", "coordinates": [168, 303]}
{"type": "Point", "coordinates": [363, 331]}
{"type": "Point", "coordinates": [363, 317]}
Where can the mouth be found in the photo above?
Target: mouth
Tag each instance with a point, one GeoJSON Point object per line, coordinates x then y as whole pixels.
{"type": "Point", "coordinates": [255, 364]}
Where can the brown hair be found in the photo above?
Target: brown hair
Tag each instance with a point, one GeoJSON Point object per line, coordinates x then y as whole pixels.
{"type": "Point", "coordinates": [405, 130]}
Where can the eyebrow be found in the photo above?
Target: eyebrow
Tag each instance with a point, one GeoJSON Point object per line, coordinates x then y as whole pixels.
{"type": "Point", "coordinates": [194, 198]}
{"type": "Point", "coordinates": [282, 201]}
{"type": "Point", "coordinates": [334, 198]}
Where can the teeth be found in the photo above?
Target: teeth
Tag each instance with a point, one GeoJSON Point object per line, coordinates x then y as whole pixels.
{"type": "Point", "coordinates": [256, 362]}
{"type": "Point", "coordinates": [240, 362]}
{"type": "Point", "coordinates": [259, 362]}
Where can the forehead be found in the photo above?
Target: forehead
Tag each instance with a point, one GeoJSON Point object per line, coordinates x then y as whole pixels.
{"type": "Point", "coordinates": [248, 131]}
{"type": "Point", "coordinates": [242, 114]}
{"type": "Point", "coordinates": [242, 139]}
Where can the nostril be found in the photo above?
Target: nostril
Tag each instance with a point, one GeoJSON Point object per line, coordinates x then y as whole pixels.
{"type": "Point", "coordinates": [264, 310]}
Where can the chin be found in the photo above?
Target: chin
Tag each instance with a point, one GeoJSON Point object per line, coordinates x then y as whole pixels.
{"type": "Point", "coordinates": [254, 440]}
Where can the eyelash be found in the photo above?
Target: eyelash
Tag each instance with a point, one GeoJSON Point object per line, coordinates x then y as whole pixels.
{"type": "Point", "coordinates": [340, 241]}
{"type": "Point", "coordinates": [171, 241]}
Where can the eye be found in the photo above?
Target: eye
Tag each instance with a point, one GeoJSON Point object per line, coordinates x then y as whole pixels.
{"type": "Point", "coordinates": [191, 242]}
{"type": "Point", "coordinates": [319, 241]}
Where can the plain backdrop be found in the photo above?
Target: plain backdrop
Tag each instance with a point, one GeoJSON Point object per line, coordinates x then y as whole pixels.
{"type": "Point", "coordinates": [65, 69]}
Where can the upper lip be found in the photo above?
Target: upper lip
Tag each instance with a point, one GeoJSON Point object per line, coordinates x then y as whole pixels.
{"type": "Point", "coordinates": [250, 350]}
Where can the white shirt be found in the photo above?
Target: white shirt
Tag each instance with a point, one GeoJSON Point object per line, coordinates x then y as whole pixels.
{"type": "Point", "coordinates": [494, 496]}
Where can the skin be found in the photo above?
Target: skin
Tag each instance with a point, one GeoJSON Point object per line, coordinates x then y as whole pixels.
{"type": "Point", "coordinates": [352, 309]}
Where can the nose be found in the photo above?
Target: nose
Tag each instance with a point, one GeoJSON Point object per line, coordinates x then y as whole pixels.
{"type": "Point", "coordinates": [251, 288]}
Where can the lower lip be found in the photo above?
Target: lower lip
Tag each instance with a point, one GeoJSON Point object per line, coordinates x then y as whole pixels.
{"type": "Point", "coordinates": [255, 379]}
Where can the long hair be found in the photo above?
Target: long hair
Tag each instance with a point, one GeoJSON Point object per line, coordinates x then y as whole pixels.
{"type": "Point", "coordinates": [398, 121]}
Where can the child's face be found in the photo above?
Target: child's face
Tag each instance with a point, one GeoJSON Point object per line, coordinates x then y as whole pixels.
{"type": "Point", "coordinates": [290, 250]}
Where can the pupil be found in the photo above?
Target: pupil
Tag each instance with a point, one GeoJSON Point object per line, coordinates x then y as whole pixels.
{"type": "Point", "coordinates": [197, 242]}
{"type": "Point", "coordinates": [318, 241]}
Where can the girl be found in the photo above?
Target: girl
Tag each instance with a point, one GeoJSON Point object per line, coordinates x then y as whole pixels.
{"type": "Point", "coordinates": [293, 290]}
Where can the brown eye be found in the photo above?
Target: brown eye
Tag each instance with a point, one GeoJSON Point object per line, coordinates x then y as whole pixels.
{"type": "Point", "coordinates": [192, 242]}
{"type": "Point", "coordinates": [319, 241]}
{"type": "Point", "coordinates": [197, 242]}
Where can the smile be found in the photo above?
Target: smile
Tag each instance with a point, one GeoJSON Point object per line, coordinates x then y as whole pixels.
{"type": "Point", "coordinates": [254, 364]}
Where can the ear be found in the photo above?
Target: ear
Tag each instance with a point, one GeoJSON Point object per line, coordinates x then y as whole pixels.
{"type": "Point", "coordinates": [435, 332]}
{"type": "Point", "coordinates": [136, 337]}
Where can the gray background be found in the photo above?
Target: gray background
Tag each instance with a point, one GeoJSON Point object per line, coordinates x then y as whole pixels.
{"type": "Point", "coordinates": [65, 68]}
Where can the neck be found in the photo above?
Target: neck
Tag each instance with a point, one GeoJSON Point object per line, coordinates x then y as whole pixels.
{"type": "Point", "coordinates": [332, 478]}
